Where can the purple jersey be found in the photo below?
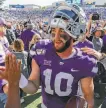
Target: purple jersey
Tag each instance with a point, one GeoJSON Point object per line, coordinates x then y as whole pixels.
{"type": "Point", "coordinates": [104, 44]}
{"type": "Point", "coordinates": [59, 77]}
{"type": "Point", "coordinates": [104, 39]}
{"type": "Point", "coordinates": [26, 37]}
{"type": "Point", "coordinates": [86, 43]}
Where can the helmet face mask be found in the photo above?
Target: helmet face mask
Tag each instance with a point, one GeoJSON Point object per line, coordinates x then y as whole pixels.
{"type": "Point", "coordinates": [72, 20]}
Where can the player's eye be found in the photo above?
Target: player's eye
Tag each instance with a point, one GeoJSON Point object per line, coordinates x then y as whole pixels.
{"type": "Point", "coordinates": [62, 31]}
{"type": "Point", "coordinates": [64, 36]}
{"type": "Point", "coordinates": [52, 30]}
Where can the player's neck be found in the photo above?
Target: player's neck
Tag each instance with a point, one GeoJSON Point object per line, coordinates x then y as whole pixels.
{"type": "Point", "coordinates": [66, 53]}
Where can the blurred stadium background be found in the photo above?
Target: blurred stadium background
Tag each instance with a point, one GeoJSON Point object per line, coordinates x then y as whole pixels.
{"type": "Point", "coordinates": [21, 12]}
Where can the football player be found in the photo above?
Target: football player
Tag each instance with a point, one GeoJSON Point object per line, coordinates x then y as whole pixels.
{"type": "Point", "coordinates": [57, 65]}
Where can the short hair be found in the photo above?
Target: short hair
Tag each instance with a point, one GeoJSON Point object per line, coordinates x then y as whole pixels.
{"type": "Point", "coordinates": [18, 45]}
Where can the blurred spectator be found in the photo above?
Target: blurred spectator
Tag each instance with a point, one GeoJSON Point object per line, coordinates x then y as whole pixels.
{"type": "Point", "coordinates": [97, 41]}
{"type": "Point", "coordinates": [17, 31]}
{"type": "Point", "coordinates": [18, 47]}
{"type": "Point", "coordinates": [83, 42]}
{"type": "Point", "coordinates": [35, 39]}
{"type": "Point", "coordinates": [44, 32]}
{"type": "Point", "coordinates": [27, 36]}
{"type": "Point", "coordinates": [103, 50]}
{"type": "Point", "coordinates": [18, 50]}
{"type": "Point", "coordinates": [10, 34]}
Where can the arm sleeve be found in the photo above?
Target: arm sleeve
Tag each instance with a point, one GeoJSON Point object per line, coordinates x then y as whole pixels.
{"type": "Point", "coordinates": [34, 55]}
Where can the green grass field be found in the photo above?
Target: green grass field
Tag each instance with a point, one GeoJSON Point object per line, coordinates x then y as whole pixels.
{"type": "Point", "coordinates": [34, 101]}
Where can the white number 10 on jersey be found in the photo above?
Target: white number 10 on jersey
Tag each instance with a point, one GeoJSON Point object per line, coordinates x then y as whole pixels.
{"type": "Point", "coordinates": [57, 83]}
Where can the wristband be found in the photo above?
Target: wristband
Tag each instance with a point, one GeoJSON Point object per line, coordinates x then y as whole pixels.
{"type": "Point", "coordinates": [23, 81]}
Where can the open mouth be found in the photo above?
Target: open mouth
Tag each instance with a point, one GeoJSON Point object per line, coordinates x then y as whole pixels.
{"type": "Point", "coordinates": [58, 42]}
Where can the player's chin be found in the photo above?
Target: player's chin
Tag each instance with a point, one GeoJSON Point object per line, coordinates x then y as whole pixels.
{"type": "Point", "coordinates": [59, 46]}
{"type": "Point", "coordinates": [76, 102]}
{"type": "Point", "coordinates": [58, 49]}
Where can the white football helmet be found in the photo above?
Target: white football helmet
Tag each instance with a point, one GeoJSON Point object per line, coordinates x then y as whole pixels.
{"type": "Point", "coordinates": [70, 18]}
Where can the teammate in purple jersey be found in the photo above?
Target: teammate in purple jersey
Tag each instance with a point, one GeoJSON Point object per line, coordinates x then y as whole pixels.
{"type": "Point", "coordinates": [85, 43]}
{"type": "Point", "coordinates": [57, 65]}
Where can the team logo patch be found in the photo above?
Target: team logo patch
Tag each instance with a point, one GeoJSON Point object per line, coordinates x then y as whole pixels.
{"type": "Point", "coordinates": [47, 62]}
{"type": "Point", "coordinates": [74, 70]}
{"type": "Point", "coordinates": [61, 63]}
{"type": "Point", "coordinates": [40, 51]}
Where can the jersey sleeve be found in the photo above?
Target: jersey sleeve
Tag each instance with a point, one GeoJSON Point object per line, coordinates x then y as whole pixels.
{"type": "Point", "coordinates": [38, 51]}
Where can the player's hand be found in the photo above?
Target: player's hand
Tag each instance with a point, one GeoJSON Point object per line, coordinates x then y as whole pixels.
{"type": "Point", "coordinates": [91, 51]}
{"type": "Point", "coordinates": [12, 70]}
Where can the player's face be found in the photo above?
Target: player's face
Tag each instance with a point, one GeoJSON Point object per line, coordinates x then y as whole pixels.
{"type": "Point", "coordinates": [60, 37]}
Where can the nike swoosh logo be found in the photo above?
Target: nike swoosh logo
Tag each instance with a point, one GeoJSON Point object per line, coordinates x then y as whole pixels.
{"type": "Point", "coordinates": [73, 70]}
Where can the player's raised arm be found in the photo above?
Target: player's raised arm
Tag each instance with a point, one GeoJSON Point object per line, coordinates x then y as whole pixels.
{"type": "Point", "coordinates": [13, 97]}
{"type": "Point", "coordinates": [31, 86]}
{"type": "Point", "coordinates": [88, 90]}
{"type": "Point", "coordinates": [11, 72]}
